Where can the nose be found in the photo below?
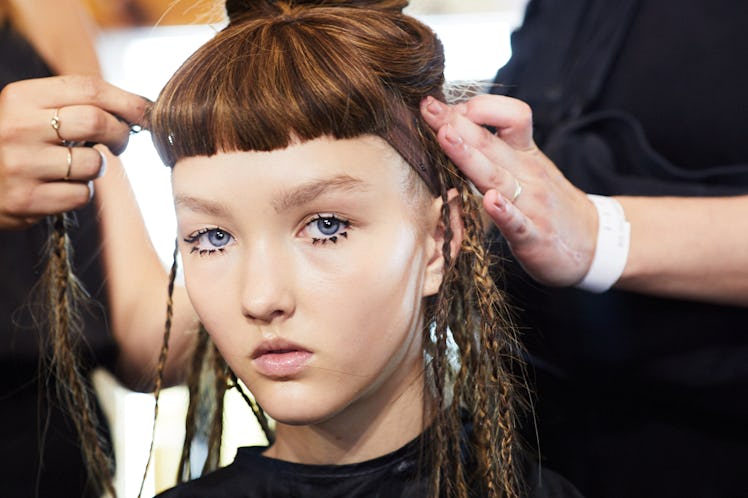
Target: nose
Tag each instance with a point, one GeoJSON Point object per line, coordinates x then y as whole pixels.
{"type": "Point", "coordinates": [267, 289]}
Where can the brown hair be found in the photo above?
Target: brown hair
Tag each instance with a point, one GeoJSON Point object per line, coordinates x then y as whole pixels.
{"type": "Point", "coordinates": [289, 70]}
{"type": "Point", "coordinates": [64, 298]}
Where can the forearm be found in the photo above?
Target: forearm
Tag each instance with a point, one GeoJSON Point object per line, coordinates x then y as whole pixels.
{"type": "Point", "coordinates": [165, 12]}
{"type": "Point", "coordinates": [122, 13]}
{"type": "Point", "coordinates": [692, 248]}
{"type": "Point", "coordinates": [137, 287]}
{"type": "Point", "coordinates": [61, 31]}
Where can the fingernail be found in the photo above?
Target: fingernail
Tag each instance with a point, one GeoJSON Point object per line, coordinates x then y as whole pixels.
{"type": "Point", "coordinates": [102, 167]}
{"type": "Point", "coordinates": [433, 106]}
{"type": "Point", "coordinates": [500, 202]}
{"type": "Point", "coordinates": [451, 135]}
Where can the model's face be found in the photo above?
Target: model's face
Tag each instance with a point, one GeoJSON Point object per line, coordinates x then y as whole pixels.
{"type": "Point", "coordinates": [308, 266]}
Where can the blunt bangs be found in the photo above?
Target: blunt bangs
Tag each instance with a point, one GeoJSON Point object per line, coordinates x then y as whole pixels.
{"type": "Point", "coordinates": [259, 85]}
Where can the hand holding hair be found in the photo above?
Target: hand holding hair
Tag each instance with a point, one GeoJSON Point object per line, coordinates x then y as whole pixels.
{"type": "Point", "coordinates": [550, 225]}
{"type": "Point", "coordinates": [43, 170]}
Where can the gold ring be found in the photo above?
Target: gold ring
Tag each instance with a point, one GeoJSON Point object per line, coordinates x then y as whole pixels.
{"type": "Point", "coordinates": [517, 190]}
{"type": "Point", "coordinates": [70, 163]}
{"type": "Point", "coordinates": [55, 122]}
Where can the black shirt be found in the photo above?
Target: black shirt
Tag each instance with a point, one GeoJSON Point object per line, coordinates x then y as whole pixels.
{"type": "Point", "coordinates": [680, 71]}
{"type": "Point", "coordinates": [394, 475]}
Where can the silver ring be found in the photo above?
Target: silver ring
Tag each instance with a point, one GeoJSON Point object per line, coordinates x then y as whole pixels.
{"type": "Point", "coordinates": [517, 190]}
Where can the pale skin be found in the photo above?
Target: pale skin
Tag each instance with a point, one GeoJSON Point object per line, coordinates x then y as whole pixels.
{"type": "Point", "coordinates": [308, 267]}
{"type": "Point", "coordinates": [33, 163]}
{"type": "Point", "coordinates": [691, 248]}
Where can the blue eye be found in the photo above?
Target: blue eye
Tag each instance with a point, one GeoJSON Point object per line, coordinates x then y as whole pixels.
{"type": "Point", "coordinates": [217, 237]}
{"type": "Point", "coordinates": [209, 240]}
{"type": "Point", "coordinates": [326, 227]}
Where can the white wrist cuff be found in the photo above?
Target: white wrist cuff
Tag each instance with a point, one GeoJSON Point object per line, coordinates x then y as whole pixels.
{"type": "Point", "coordinates": [612, 250]}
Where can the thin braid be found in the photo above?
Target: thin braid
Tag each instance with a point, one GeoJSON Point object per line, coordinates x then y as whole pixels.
{"type": "Point", "coordinates": [486, 382]}
{"type": "Point", "coordinates": [497, 427]}
{"type": "Point", "coordinates": [220, 384]}
{"type": "Point", "coordinates": [162, 361]}
{"type": "Point", "coordinates": [184, 471]}
{"type": "Point", "coordinates": [471, 309]}
{"type": "Point", "coordinates": [448, 477]}
{"type": "Point", "coordinates": [455, 313]}
{"type": "Point", "coordinates": [438, 364]}
{"type": "Point", "coordinates": [206, 353]}
{"type": "Point", "coordinates": [258, 412]}
{"type": "Point", "coordinates": [65, 293]}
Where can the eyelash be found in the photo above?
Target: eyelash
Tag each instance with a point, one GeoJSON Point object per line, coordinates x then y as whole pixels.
{"type": "Point", "coordinates": [195, 237]}
{"type": "Point", "coordinates": [344, 225]}
{"type": "Point", "coordinates": [339, 224]}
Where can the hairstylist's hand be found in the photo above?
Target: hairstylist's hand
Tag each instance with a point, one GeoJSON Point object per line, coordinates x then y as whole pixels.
{"type": "Point", "coordinates": [549, 224]}
{"type": "Point", "coordinates": [41, 171]}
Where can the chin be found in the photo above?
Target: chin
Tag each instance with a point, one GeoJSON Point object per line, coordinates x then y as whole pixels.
{"type": "Point", "coordinates": [297, 420]}
{"type": "Point", "coordinates": [297, 411]}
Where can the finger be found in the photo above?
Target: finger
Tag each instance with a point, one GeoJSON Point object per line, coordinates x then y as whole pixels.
{"type": "Point", "coordinates": [438, 115]}
{"type": "Point", "coordinates": [8, 222]}
{"type": "Point", "coordinates": [86, 123]}
{"type": "Point", "coordinates": [485, 173]}
{"type": "Point", "coordinates": [62, 91]}
{"type": "Point", "coordinates": [49, 198]}
{"type": "Point", "coordinates": [70, 163]}
{"type": "Point", "coordinates": [518, 229]}
{"type": "Point", "coordinates": [512, 118]}
{"type": "Point", "coordinates": [64, 196]}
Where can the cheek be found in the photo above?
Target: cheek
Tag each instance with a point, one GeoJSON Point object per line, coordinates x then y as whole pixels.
{"type": "Point", "coordinates": [209, 295]}
{"type": "Point", "coordinates": [397, 268]}
{"type": "Point", "coordinates": [381, 297]}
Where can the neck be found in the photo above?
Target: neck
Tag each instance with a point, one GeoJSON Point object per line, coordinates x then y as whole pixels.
{"type": "Point", "coordinates": [371, 428]}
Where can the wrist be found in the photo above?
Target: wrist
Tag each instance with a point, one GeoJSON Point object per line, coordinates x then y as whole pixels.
{"type": "Point", "coordinates": [612, 247]}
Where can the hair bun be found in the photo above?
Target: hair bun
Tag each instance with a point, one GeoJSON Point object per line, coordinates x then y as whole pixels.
{"type": "Point", "coordinates": [251, 8]}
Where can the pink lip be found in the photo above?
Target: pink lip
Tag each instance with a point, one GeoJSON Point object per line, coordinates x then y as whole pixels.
{"type": "Point", "coordinates": [280, 359]}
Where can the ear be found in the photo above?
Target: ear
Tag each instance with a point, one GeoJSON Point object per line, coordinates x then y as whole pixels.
{"type": "Point", "coordinates": [435, 266]}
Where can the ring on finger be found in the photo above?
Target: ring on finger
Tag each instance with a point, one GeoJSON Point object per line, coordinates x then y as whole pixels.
{"type": "Point", "coordinates": [517, 190]}
{"type": "Point", "coordinates": [55, 122]}
{"type": "Point", "coordinates": [70, 164]}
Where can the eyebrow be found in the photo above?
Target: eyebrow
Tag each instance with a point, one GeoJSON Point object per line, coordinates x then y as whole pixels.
{"type": "Point", "coordinates": [297, 196]}
{"type": "Point", "coordinates": [199, 205]}
{"type": "Point", "coordinates": [309, 191]}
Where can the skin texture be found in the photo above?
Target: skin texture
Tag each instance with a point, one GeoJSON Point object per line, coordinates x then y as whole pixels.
{"type": "Point", "coordinates": [353, 306]}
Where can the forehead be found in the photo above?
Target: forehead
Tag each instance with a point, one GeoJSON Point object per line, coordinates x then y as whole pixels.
{"type": "Point", "coordinates": [357, 163]}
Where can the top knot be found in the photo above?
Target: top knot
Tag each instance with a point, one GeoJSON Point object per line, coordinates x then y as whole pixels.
{"type": "Point", "coordinates": [257, 8]}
